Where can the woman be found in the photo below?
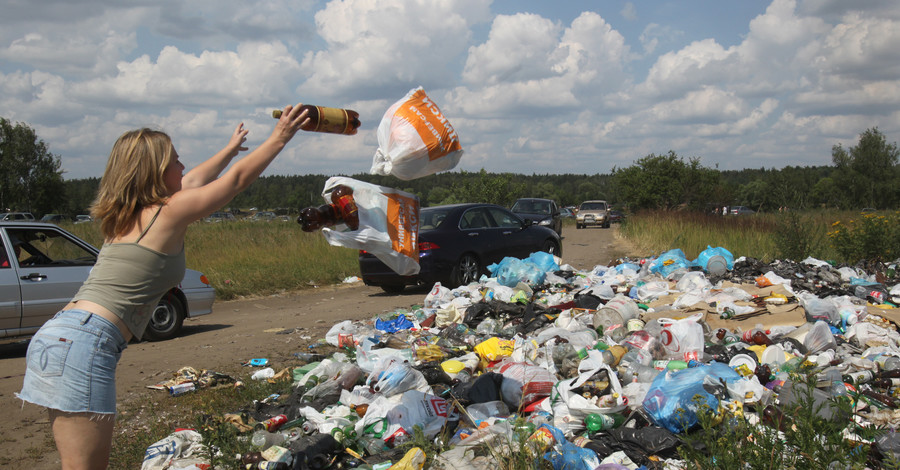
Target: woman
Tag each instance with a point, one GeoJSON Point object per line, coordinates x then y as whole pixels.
{"type": "Point", "coordinates": [145, 205]}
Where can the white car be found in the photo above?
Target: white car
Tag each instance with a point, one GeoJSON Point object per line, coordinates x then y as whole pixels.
{"type": "Point", "coordinates": [42, 266]}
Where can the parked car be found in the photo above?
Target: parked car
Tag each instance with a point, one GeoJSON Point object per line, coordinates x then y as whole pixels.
{"type": "Point", "coordinates": [592, 213]}
{"type": "Point", "coordinates": [220, 217]}
{"type": "Point", "coordinates": [540, 211]}
{"type": "Point", "coordinates": [566, 213]}
{"type": "Point", "coordinates": [264, 216]}
{"type": "Point", "coordinates": [616, 216]}
{"type": "Point", "coordinates": [741, 210]}
{"type": "Point", "coordinates": [81, 219]}
{"type": "Point", "coordinates": [458, 242]}
{"type": "Point", "coordinates": [16, 216]}
{"type": "Point", "coordinates": [54, 218]}
{"type": "Point", "coordinates": [42, 266]}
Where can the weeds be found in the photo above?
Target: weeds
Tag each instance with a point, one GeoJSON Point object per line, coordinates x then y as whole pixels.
{"type": "Point", "coordinates": [867, 236]}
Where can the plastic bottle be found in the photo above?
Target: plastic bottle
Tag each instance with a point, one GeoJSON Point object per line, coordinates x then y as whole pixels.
{"type": "Point", "coordinates": [331, 120]}
{"type": "Point", "coordinates": [342, 198]}
{"type": "Point", "coordinates": [791, 398]}
{"type": "Point", "coordinates": [886, 362]}
{"type": "Point", "coordinates": [314, 218]}
{"type": "Point", "coordinates": [636, 372]}
{"type": "Point", "coordinates": [263, 439]}
{"type": "Point", "coordinates": [596, 422]}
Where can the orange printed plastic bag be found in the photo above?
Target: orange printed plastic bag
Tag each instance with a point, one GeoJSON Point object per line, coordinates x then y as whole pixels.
{"type": "Point", "coordinates": [415, 139]}
{"type": "Point", "coordinates": [388, 224]}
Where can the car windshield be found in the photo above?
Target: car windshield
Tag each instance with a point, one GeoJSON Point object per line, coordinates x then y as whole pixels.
{"type": "Point", "coordinates": [593, 206]}
{"type": "Point", "coordinates": [532, 207]}
{"type": "Point", "coordinates": [431, 218]}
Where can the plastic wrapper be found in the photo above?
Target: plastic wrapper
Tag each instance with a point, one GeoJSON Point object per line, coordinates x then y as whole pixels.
{"type": "Point", "coordinates": [392, 377]}
{"type": "Point", "coordinates": [415, 139]}
{"type": "Point", "coordinates": [683, 339]}
{"type": "Point", "coordinates": [388, 224]}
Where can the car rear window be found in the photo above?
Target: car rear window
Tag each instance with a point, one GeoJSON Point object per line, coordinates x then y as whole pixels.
{"type": "Point", "coordinates": [432, 218]}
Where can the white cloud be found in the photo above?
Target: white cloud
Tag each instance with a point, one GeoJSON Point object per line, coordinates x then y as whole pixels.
{"type": "Point", "coordinates": [629, 12]}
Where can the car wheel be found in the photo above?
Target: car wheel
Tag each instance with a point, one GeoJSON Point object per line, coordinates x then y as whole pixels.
{"type": "Point", "coordinates": [393, 288]}
{"type": "Point", "coordinates": [550, 246]}
{"type": "Point", "coordinates": [166, 320]}
{"type": "Point", "coordinates": [466, 271]}
{"type": "Point", "coordinates": [578, 226]}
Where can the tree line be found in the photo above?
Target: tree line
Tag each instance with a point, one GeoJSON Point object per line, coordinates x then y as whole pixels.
{"type": "Point", "coordinates": [864, 175]}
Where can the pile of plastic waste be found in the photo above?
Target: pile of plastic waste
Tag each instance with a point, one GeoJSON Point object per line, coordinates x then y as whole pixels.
{"type": "Point", "coordinates": [545, 366]}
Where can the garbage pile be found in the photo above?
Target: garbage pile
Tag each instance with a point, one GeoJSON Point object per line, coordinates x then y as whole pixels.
{"type": "Point", "coordinates": [546, 366]}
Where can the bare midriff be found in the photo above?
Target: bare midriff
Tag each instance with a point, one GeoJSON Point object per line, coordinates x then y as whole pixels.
{"type": "Point", "coordinates": [102, 311]}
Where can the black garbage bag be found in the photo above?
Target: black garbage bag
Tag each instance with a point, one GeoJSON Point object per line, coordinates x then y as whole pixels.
{"type": "Point", "coordinates": [313, 452]}
{"type": "Point", "coordinates": [638, 444]}
{"type": "Point", "coordinates": [587, 300]}
{"type": "Point", "coordinates": [482, 389]}
{"type": "Point", "coordinates": [433, 373]}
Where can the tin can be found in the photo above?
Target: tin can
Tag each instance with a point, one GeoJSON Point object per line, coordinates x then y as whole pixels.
{"type": "Point", "coordinates": [272, 424]}
{"type": "Point", "coordinates": [182, 388]}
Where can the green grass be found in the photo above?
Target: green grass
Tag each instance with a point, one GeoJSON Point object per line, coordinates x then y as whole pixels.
{"type": "Point", "coordinates": [762, 236]}
{"type": "Point", "coordinates": [256, 258]}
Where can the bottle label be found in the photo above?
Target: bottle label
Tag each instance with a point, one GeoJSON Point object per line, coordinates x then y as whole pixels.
{"type": "Point", "coordinates": [333, 120]}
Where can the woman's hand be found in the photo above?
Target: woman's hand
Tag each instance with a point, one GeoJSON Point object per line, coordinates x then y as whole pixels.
{"type": "Point", "coordinates": [291, 120]}
{"type": "Point", "coordinates": [235, 144]}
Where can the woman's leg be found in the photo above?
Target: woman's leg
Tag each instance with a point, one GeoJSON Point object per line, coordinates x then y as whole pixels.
{"type": "Point", "coordinates": [83, 440]}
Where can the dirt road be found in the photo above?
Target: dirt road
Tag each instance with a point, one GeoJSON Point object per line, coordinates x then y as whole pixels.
{"type": "Point", "coordinates": [273, 327]}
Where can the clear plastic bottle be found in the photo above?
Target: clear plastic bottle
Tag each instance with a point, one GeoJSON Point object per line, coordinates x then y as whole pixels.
{"type": "Point", "coordinates": [263, 439]}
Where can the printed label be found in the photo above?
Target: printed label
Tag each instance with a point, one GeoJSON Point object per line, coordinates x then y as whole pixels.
{"type": "Point", "coordinates": [334, 120]}
{"type": "Point", "coordinates": [403, 224]}
{"type": "Point", "coordinates": [435, 131]}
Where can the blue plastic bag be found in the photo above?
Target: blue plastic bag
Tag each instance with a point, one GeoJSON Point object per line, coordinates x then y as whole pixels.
{"type": "Point", "coordinates": [543, 260]}
{"type": "Point", "coordinates": [565, 455]}
{"type": "Point", "coordinates": [669, 262]}
{"type": "Point", "coordinates": [670, 400]}
{"type": "Point", "coordinates": [395, 325]}
{"type": "Point", "coordinates": [710, 258]}
{"type": "Point", "coordinates": [511, 271]}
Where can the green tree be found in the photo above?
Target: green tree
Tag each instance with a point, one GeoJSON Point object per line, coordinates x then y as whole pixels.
{"type": "Point", "coordinates": [487, 187]}
{"type": "Point", "coordinates": [665, 182]}
{"type": "Point", "coordinates": [30, 176]}
{"type": "Point", "coordinates": [867, 173]}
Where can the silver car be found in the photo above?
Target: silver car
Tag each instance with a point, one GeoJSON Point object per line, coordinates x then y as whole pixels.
{"type": "Point", "coordinates": [42, 266]}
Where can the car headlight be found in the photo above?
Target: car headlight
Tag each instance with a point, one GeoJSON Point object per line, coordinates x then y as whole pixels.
{"type": "Point", "coordinates": [545, 222]}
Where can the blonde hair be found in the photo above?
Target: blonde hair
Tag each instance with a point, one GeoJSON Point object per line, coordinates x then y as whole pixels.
{"type": "Point", "coordinates": [133, 179]}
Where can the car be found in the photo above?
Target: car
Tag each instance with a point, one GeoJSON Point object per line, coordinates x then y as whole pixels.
{"type": "Point", "coordinates": [458, 242]}
{"type": "Point", "coordinates": [82, 219]}
{"type": "Point", "coordinates": [867, 210]}
{"type": "Point", "coordinates": [43, 265]}
{"type": "Point", "coordinates": [220, 217]}
{"type": "Point", "coordinates": [595, 212]}
{"type": "Point", "coordinates": [740, 210]}
{"type": "Point", "coordinates": [616, 217]}
{"type": "Point", "coordinates": [566, 213]}
{"type": "Point", "coordinates": [54, 218]}
{"type": "Point", "coordinates": [540, 211]}
{"type": "Point", "coordinates": [16, 216]}
{"type": "Point", "coordinates": [264, 216]}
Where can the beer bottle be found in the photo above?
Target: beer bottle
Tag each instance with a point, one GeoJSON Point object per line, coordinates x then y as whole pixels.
{"type": "Point", "coordinates": [314, 218]}
{"type": "Point", "coordinates": [331, 120]}
{"type": "Point", "coordinates": [342, 198]}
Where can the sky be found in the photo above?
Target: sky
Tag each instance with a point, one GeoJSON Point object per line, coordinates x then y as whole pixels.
{"type": "Point", "coordinates": [530, 86]}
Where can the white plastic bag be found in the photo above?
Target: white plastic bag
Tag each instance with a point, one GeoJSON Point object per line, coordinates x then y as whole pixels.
{"type": "Point", "coordinates": [569, 408]}
{"type": "Point", "coordinates": [683, 338]}
{"type": "Point", "coordinates": [345, 328]}
{"type": "Point", "coordinates": [388, 224]}
{"type": "Point", "coordinates": [184, 446]}
{"type": "Point", "coordinates": [415, 139]}
{"type": "Point", "coordinates": [391, 377]}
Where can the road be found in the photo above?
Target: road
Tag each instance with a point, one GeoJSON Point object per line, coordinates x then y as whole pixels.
{"type": "Point", "coordinates": [272, 327]}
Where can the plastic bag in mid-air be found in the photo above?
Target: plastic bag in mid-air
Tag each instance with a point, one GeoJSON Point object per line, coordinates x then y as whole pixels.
{"type": "Point", "coordinates": [388, 224]}
{"type": "Point", "coordinates": [415, 139]}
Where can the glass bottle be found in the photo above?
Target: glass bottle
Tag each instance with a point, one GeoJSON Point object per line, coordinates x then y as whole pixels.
{"type": "Point", "coordinates": [331, 120]}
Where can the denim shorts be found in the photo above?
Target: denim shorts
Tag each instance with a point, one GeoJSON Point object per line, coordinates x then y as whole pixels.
{"type": "Point", "coordinates": [72, 363]}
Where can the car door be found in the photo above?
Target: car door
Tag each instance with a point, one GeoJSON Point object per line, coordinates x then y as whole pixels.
{"type": "Point", "coordinates": [51, 266]}
{"type": "Point", "coordinates": [10, 298]}
{"type": "Point", "coordinates": [482, 235]}
{"type": "Point", "coordinates": [514, 236]}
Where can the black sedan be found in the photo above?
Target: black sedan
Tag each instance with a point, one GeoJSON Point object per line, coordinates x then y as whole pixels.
{"type": "Point", "coordinates": [457, 242]}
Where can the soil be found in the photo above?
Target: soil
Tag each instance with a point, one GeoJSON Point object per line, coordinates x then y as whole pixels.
{"type": "Point", "coordinates": [272, 327]}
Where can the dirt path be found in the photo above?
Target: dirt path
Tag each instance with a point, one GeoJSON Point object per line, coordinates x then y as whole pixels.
{"type": "Point", "coordinates": [273, 327]}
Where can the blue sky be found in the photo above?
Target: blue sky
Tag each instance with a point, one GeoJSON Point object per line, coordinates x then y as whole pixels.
{"type": "Point", "coordinates": [530, 86]}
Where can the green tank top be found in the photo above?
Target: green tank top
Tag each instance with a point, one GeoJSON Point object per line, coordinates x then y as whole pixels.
{"type": "Point", "coordinates": [129, 280]}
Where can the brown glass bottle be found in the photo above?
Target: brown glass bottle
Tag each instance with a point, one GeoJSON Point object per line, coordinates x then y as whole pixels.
{"type": "Point", "coordinates": [331, 120]}
{"type": "Point", "coordinates": [314, 218]}
{"type": "Point", "coordinates": [251, 458]}
{"type": "Point", "coordinates": [886, 383]}
{"type": "Point", "coordinates": [886, 401]}
{"type": "Point", "coordinates": [342, 198]}
{"type": "Point", "coordinates": [774, 418]}
{"type": "Point", "coordinates": [761, 338]}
